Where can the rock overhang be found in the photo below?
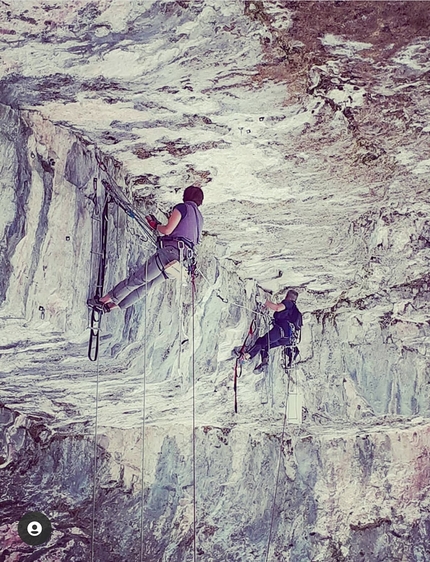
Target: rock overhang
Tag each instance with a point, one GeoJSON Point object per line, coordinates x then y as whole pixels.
{"type": "Point", "coordinates": [263, 103]}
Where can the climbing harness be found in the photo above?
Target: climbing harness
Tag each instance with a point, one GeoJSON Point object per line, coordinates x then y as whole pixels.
{"type": "Point", "coordinates": [239, 360]}
{"type": "Point", "coordinates": [96, 312]}
{"type": "Point", "coordinates": [174, 269]}
{"type": "Point", "coordinates": [290, 351]}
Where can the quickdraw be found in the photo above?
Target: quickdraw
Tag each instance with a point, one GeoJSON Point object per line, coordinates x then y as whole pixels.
{"type": "Point", "coordinates": [239, 360]}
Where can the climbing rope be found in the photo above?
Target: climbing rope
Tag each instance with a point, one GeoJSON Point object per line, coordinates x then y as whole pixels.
{"type": "Point", "coordinates": [95, 330]}
{"type": "Point", "coordinates": [95, 463]}
{"type": "Point", "coordinates": [95, 217]}
{"type": "Point", "coordinates": [278, 468]}
{"type": "Point", "coordinates": [181, 264]}
{"type": "Point", "coordinates": [142, 491]}
{"type": "Point", "coordinates": [193, 289]}
{"type": "Point", "coordinates": [290, 369]}
{"type": "Point", "coordinates": [268, 379]}
{"type": "Point", "coordinates": [225, 300]}
{"type": "Point", "coordinates": [121, 200]}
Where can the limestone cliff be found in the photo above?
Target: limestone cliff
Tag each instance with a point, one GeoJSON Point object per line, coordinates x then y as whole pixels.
{"type": "Point", "coordinates": [306, 124]}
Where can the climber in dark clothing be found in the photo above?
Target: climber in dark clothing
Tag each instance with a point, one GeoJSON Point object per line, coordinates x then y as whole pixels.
{"type": "Point", "coordinates": [287, 318]}
{"type": "Point", "coordinates": [182, 232]}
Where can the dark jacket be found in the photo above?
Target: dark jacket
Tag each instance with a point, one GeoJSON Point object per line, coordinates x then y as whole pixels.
{"type": "Point", "coordinates": [291, 314]}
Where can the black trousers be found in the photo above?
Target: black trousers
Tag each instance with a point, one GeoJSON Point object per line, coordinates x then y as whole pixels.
{"type": "Point", "coordinates": [274, 338]}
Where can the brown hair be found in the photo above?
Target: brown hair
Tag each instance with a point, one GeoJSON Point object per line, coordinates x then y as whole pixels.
{"type": "Point", "coordinates": [193, 193]}
{"type": "Point", "coordinates": [292, 295]}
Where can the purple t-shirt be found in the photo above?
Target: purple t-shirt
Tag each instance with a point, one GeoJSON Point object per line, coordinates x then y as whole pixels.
{"type": "Point", "coordinates": [191, 223]}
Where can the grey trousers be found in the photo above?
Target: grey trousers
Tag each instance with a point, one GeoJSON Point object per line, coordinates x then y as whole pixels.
{"type": "Point", "coordinates": [150, 274]}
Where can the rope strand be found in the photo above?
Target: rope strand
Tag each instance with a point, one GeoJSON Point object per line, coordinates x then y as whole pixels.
{"type": "Point", "coordinates": [279, 467]}
{"type": "Point", "coordinates": [194, 415]}
{"type": "Point", "coordinates": [103, 234]}
{"type": "Point", "coordinates": [95, 462]}
{"type": "Point", "coordinates": [181, 265]}
{"type": "Point", "coordinates": [142, 492]}
{"type": "Point", "coordinates": [226, 301]}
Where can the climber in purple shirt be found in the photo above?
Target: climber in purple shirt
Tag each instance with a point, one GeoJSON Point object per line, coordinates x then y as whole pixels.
{"type": "Point", "coordinates": [182, 232]}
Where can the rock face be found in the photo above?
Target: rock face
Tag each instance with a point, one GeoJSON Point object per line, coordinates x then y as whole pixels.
{"type": "Point", "coordinates": [306, 124]}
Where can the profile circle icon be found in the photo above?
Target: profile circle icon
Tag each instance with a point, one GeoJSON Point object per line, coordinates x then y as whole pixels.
{"type": "Point", "coordinates": [34, 528]}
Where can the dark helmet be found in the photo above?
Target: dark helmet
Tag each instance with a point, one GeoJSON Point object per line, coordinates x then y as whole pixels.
{"type": "Point", "coordinates": [292, 295]}
{"type": "Point", "coordinates": [193, 193]}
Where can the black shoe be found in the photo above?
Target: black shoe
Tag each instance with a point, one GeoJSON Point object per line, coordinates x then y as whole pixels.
{"type": "Point", "coordinates": [260, 368]}
{"type": "Point", "coordinates": [239, 351]}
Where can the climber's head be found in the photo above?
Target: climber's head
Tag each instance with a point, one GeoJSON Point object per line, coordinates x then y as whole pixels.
{"type": "Point", "coordinates": [193, 193]}
{"type": "Point", "coordinates": [292, 295]}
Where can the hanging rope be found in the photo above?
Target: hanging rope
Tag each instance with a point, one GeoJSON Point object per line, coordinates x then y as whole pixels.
{"type": "Point", "coordinates": [181, 265]}
{"type": "Point", "coordinates": [225, 300]}
{"type": "Point", "coordinates": [279, 468]}
{"type": "Point", "coordinates": [95, 464]}
{"type": "Point", "coordinates": [95, 218]}
{"type": "Point", "coordinates": [267, 322]}
{"type": "Point", "coordinates": [93, 346]}
{"type": "Point", "coordinates": [142, 496]}
{"type": "Point", "coordinates": [193, 289]}
{"type": "Point", "coordinates": [121, 200]}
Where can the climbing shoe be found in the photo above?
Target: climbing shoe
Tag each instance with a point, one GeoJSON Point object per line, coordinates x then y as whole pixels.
{"type": "Point", "coordinates": [292, 356]}
{"type": "Point", "coordinates": [95, 303]}
{"type": "Point", "coordinates": [241, 356]}
{"type": "Point", "coordinates": [260, 368]}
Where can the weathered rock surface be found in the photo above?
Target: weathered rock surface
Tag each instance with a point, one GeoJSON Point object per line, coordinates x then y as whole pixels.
{"type": "Point", "coordinates": [307, 126]}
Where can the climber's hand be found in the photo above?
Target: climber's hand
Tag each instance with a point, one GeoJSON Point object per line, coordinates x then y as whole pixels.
{"type": "Point", "coordinates": [152, 221]}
